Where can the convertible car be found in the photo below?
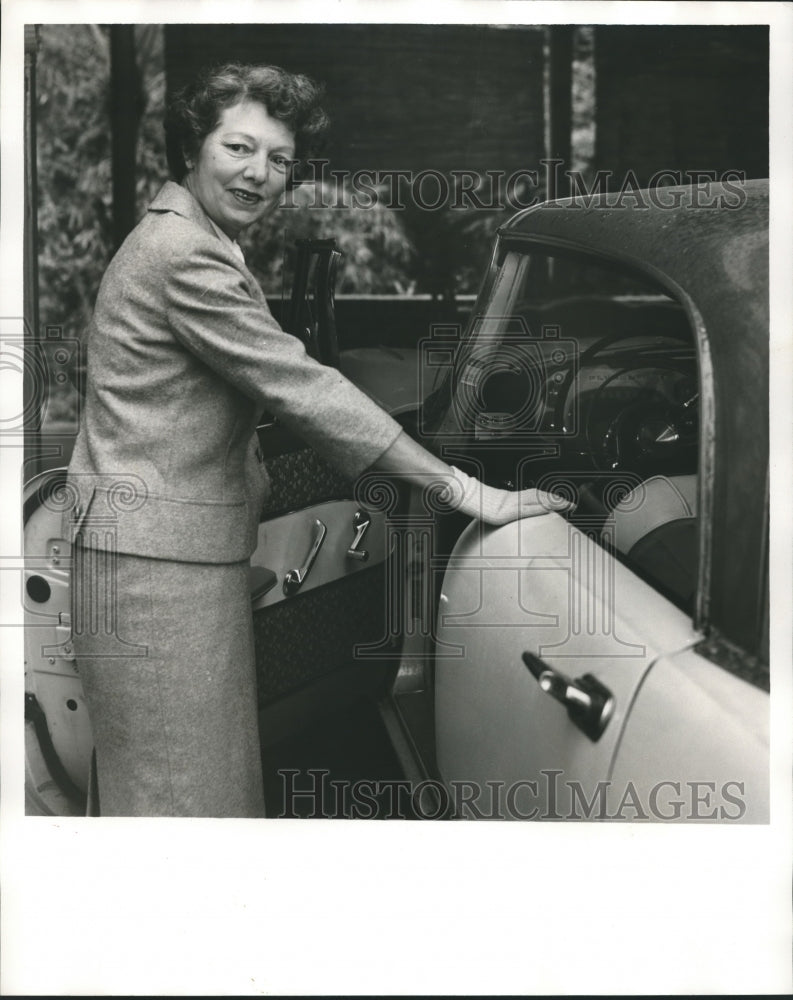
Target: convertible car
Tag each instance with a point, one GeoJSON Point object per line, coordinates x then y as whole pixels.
{"type": "Point", "coordinates": [606, 664]}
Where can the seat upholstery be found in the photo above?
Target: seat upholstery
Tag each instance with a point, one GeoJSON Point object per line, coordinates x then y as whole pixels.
{"type": "Point", "coordinates": [655, 502]}
{"type": "Point", "coordinates": [655, 528]}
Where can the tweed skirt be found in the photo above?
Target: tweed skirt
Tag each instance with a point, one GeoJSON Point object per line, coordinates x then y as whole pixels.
{"type": "Point", "coordinates": [165, 654]}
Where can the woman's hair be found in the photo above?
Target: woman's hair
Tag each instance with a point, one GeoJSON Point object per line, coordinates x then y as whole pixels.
{"type": "Point", "coordinates": [195, 110]}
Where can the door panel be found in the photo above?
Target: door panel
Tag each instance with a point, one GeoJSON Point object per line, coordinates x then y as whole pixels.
{"type": "Point", "coordinates": [313, 637]}
{"type": "Point", "coordinates": [709, 758]}
{"type": "Point", "coordinates": [541, 586]}
{"type": "Point", "coordinates": [312, 631]}
{"type": "Point", "coordinates": [285, 542]}
{"type": "Point", "coordinates": [58, 736]}
{"type": "Point", "coordinates": [298, 476]}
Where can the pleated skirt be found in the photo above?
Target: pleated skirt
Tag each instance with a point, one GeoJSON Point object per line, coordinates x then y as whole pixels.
{"type": "Point", "coordinates": [165, 654]}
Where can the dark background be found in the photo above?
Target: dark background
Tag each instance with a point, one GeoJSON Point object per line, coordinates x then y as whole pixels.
{"type": "Point", "coordinates": [683, 98]}
{"type": "Point", "coordinates": [471, 96]}
{"type": "Point", "coordinates": [400, 96]}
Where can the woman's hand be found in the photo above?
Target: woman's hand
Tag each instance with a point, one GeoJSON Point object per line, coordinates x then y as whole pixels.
{"type": "Point", "coordinates": [494, 506]}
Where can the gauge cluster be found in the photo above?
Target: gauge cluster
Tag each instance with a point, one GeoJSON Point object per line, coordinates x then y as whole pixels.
{"type": "Point", "coordinates": [639, 415]}
{"type": "Point", "coordinates": [595, 407]}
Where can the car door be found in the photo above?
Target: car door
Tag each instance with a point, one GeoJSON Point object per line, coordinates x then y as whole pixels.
{"type": "Point", "coordinates": [323, 550]}
{"type": "Point", "coordinates": [539, 611]}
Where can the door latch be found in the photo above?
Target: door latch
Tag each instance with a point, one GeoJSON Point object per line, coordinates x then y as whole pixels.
{"type": "Point", "coordinates": [360, 523]}
{"type": "Point", "coordinates": [589, 703]}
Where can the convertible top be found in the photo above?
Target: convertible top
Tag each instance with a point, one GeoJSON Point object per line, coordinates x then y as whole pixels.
{"type": "Point", "coordinates": [710, 240]}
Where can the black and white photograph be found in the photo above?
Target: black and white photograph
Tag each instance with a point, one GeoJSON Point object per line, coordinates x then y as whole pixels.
{"type": "Point", "coordinates": [396, 475]}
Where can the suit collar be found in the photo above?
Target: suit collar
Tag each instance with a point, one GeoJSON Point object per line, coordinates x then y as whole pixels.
{"type": "Point", "coordinates": [172, 197]}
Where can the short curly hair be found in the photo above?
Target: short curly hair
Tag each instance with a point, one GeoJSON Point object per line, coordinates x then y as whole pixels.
{"type": "Point", "coordinates": [195, 110]}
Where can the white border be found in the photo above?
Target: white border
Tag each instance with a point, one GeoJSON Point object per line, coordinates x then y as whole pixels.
{"type": "Point", "coordinates": [152, 907]}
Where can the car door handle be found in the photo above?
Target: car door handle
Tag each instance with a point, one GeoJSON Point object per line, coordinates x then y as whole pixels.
{"type": "Point", "coordinates": [360, 524]}
{"type": "Point", "coordinates": [295, 578]}
{"type": "Point", "coordinates": [589, 703]}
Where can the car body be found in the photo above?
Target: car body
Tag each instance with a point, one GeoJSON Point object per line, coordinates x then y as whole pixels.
{"type": "Point", "coordinates": [609, 664]}
{"type": "Point", "coordinates": [668, 608]}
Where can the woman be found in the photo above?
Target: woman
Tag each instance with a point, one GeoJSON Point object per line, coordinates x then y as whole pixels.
{"type": "Point", "coordinates": [183, 357]}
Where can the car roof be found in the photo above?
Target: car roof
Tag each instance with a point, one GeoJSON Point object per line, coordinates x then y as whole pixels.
{"type": "Point", "coordinates": [710, 240]}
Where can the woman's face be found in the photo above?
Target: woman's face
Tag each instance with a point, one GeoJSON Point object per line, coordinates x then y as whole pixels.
{"type": "Point", "coordinates": [242, 167]}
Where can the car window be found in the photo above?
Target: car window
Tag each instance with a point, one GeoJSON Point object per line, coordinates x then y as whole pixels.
{"type": "Point", "coordinates": [580, 376]}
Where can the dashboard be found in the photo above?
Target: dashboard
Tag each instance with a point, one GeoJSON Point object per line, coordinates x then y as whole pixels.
{"type": "Point", "coordinates": [608, 401]}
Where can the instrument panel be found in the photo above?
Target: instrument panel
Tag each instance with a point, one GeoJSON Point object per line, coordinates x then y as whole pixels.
{"type": "Point", "coordinates": [631, 404]}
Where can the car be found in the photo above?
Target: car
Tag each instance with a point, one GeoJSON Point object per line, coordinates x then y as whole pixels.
{"type": "Point", "coordinates": [609, 663]}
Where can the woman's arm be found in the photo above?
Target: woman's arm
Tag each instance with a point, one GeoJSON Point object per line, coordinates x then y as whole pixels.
{"type": "Point", "coordinates": [212, 313]}
{"type": "Point", "coordinates": [415, 464]}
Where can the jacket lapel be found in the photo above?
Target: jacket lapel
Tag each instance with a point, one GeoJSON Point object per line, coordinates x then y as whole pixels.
{"type": "Point", "coordinates": [172, 197]}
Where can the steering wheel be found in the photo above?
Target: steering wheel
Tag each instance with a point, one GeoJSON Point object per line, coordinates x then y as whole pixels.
{"type": "Point", "coordinates": [646, 436]}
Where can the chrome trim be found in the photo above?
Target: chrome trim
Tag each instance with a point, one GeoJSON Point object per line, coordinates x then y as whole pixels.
{"type": "Point", "coordinates": [295, 578]}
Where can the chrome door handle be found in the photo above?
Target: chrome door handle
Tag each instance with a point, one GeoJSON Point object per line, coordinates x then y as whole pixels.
{"type": "Point", "coordinates": [360, 523]}
{"type": "Point", "coordinates": [589, 703]}
{"type": "Point", "coordinates": [295, 578]}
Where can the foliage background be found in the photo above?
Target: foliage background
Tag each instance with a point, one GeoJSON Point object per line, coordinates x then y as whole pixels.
{"type": "Point", "coordinates": [75, 186]}
{"type": "Point", "coordinates": [75, 207]}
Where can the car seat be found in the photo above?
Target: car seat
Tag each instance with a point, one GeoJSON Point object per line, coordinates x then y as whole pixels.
{"type": "Point", "coordinates": [654, 528]}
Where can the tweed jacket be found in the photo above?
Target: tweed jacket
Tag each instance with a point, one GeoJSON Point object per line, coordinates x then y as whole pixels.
{"type": "Point", "coordinates": [183, 357]}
